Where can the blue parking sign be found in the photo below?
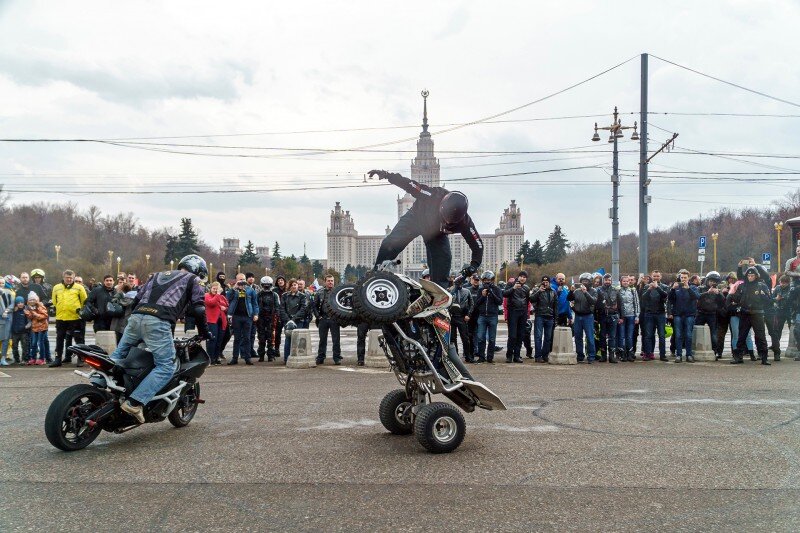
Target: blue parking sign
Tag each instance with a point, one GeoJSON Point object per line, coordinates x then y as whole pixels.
{"type": "Point", "coordinates": [702, 243]}
{"type": "Point", "coordinates": [766, 257]}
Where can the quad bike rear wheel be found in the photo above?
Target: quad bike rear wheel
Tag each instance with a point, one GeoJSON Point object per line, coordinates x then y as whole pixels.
{"type": "Point", "coordinates": [339, 305]}
{"type": "Point", "coordinates": [440, 427]}
{"type": "Point", "coordinates": [395, 413]}
{"type": "Point", "coordinates": [381, 298]}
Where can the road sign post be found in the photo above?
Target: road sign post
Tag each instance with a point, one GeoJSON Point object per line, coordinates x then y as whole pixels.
{"type": "Point", "coordinates": [701, 250]}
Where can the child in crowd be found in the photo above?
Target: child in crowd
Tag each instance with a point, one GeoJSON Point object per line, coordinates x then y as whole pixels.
{"type": "Point", "coordinates": [20, 331]}
{"type": "Point", "coordinates": [37, 313]}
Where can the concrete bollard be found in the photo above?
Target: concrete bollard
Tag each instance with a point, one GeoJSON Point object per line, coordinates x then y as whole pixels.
{"type": "Point", "coordinates": [301, 354]}
{"type": "Point", "coordinates": [107, 340]}
{"type": "Point", "coordinates": [375, 357]}
{"type": "Point", "coordinates": [563, 351]}
{"type": "Point", "coordinates": [702, 349]}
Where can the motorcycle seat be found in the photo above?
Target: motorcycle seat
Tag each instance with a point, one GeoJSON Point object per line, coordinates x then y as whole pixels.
{"type": "Point", "coordinates": [138, 362]}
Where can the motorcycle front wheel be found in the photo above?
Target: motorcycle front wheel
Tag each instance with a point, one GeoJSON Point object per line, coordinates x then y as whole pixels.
{"type": "Point", "coordinates": [186, 409]}
{"type": "Point", "coordinates": [64, 424]}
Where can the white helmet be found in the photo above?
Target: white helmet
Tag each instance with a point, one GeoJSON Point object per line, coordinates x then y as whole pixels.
{"type": "Point", "coordinates": [585, 275]}
{"type": "Point", "coordinates": [266, 282]}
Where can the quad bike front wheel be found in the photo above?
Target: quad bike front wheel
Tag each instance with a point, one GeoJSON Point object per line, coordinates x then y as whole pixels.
{"type": "Point", "coordinates": [395, 413]}
{"type": "Point", "coordinates": [339, 305]}
{"type": "Point", "coordinates": [381, 298]}
{"type": "Point", "coordinates": [440, 427]}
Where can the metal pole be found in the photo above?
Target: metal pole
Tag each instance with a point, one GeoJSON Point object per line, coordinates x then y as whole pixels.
{"type": "Point", "coordinates": [615, 210]}
{"type": "Point", "coordinates": [643, 232]}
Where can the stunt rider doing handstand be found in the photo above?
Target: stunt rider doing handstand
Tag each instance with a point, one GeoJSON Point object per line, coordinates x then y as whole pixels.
{"type": "Point", "coordinates": [435, 214]}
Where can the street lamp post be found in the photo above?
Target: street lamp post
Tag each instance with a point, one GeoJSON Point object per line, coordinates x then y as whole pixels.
{"type": "Point", "coordinates": [110, 259]}
{"type": "Point", "coordinates": [714, 237]}
{"type": "Point", "coordinates": [147, 262]}
{"type": "Point", "coordinates": [172, 264]}
{"type": "Point", "coordinates": [778, 229]}
{"type": "Point", "coordinates": [672, 244]}
{"type": "Point", "coordinates": [119, 264]}
{"type": "Point", "coordinates": [58, 251]}
{"type": "Point", "coordinates": [615, 130]}
{"type": "Point", "coordinates": [211, 271]}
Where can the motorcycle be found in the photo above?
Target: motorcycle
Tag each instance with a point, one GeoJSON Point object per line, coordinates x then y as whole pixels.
{"type": "Point", "coordinates": [415, 325]}
{"type": "Point", "coordinates": [79, 413]}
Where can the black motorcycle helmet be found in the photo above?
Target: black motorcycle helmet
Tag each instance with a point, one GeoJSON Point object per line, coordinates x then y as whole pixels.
{"type": "Point", "coordinates": [196, 265]}
{"type": "Point", "coordinates": [453, 208]}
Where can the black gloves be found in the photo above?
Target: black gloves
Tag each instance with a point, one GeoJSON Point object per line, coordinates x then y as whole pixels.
{"type": "Point", "coordinates": [382, 174]}
{"type": "Point", "coordinates": [469, 271]}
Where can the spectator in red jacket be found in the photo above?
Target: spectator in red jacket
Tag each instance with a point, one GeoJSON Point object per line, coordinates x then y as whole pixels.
{"type": "Point", "coordinates": [216, 316]}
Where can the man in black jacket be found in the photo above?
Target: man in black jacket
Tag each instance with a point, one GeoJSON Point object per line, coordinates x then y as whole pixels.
{"type": "Point", "coordinates": [99, 298]}
{"type": "Point", "coordinates": [584, 303]}
{"type": "Point", "coordinates": [294, 305]}
{"type": "Point", "coordinates": [608, 306]}
{"type": "Point", "coordinates": [326, 324]}
{"type": "Point", "coordinates": [472, 324]}
{"type": "Point", "coordinates": [460, 311]}
{"type": "Point", "coordinates": [654, 311]}
{"type": "Point", "coordinates": [436, 213]}
{"type": "Point", "coordinates": [518, 295]}
{"type": "Point", "coordinates": [709, 305]}
{"type": "Point", "coordinates": [753, 297]}
{"type": "Point", "coordinates": [545, 309]}
{"type": "Point", "coordinates": [486, 306]}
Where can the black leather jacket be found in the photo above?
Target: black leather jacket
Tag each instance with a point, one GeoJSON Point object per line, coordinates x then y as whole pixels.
{"type": "Point", "coordinates": [517, 298]}
{"type": "Point", "coordinates": [294, 306]}
{"type": "Point", "coordinates": [268, 303]}
{"type": "Point", "coordinates": [545, 302]}
{"type": "Point", "coordinates": [462, 301]}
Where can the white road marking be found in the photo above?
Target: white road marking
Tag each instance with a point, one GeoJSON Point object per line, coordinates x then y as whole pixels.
{"type": "Point", "coordinates": [4, 375]}
{"type": "Point", "coordinates": [342, 424]}
{"type": "Point", "coordinates": [699, 401]}
{"type": "Point", "coordinates": [517, 429]}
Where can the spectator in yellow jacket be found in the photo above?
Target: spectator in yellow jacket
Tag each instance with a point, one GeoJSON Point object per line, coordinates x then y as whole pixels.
{"type": "Point", "coordinates": [68, 299]}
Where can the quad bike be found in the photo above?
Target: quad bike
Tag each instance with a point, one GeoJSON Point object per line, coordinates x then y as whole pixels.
{"type": "Point", "coordinates": [415, 323]}
{"type": "Point", "coordinates": [80, 412]}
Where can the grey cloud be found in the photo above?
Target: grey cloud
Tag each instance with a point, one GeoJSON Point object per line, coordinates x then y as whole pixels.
{"type": "Point", "coordinates": [128, 86]}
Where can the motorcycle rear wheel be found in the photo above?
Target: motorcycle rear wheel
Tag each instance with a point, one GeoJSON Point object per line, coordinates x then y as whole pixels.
{"type": "Point", "coordinates": [440, 427]}
{"type": "Point", "coordinates": [64, 423]}
{"type": "Point", "coordinates": [186, 409]}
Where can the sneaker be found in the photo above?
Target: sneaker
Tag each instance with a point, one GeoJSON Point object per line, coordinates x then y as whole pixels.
{"type": "Point", "coordinates": [765, 362]}
{"type": "Point", "coordinates": [517, 360]}
{"type": "Point", "coordinates": [136, 412]}
{"type": "Point", "coordinates": [248, 362]}
{"type": "Point", "coordinates": [689, 359]}
{"type": "Point", "coordinates": [231, 363]}
{"type": "Point", "coordinates": [30, 362]}
{"type": "Point", "coordinates": [677, 358]}
{"type": "Point", "coordinates": [3, 362]}
{"type": "Point", "coordinates": [337, 362]}
{"type": "Point", "coordinates": [508, 359]}
{"type": "Point", "coordinates": [498, 349]}
{"type": "Point", "coordinates": [663, 358]}
{"type": "Point", "coordinates": [360, 363]}
{"type": "Point", "coordinates": [529, 355]}
{"type": "Point", "coordinates": [538, 360]}
{"type": "Point", "coordinates": [39, 362]}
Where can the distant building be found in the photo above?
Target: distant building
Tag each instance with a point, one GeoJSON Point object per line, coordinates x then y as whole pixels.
{"type": "Point", "coordinates": [347, 247]}
{"type": "Point", "coordinates": [230, 246]}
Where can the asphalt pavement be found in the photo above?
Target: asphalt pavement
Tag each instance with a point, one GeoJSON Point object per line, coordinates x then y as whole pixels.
{"type": "Point", "coordinates": [639, 446]}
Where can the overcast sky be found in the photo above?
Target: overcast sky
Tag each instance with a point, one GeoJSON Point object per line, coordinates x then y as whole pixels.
{"type": "Point", "coordinates": [111, 70]}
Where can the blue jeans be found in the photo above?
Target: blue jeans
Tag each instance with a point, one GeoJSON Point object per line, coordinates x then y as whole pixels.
{"type": "Point", "coordinates": [241, 337]}
{"type": "Point", "coordinates": [684, 330]}
{"type": "Point", "coordinates": [542, 335]}
{"type": "Point", "coordinates": [487, 328]}
{"type": "Point", "coordinates": [287, 346]}
{"type": "Point", "coordinates": [38, 340]}
{"type": "Point", "coordinates": [157, 336]}
{"type": "Point", "coordinates": [584, 324]}
{"type": "Point", "coordinates": [734, 324]}
{"type": "Point", "coordinates": [625, 332]}
{"type": "Point", "coordinates": [608, 333]}
{"type": "Point", "coordinates": [653, 321]}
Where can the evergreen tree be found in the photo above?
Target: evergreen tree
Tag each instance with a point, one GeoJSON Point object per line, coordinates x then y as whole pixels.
{"type": "Point", "coordinates": [556, 247]}
{"type": "Point", "coordinates": [276, 253]}
{"type": "Point", "coordinates": [350, 273]}
{"type": "Point", "coordinates": [249, 256]}
{"type": "Point", "coordinates": [536, 254]}
{"type": "Point", "coordinates": [187, 242]}
{"type": "Point", "coordinates": [304, 260]}
{"type": "Point", "coordinates": [169, 253]}
{"type": "Point", "coordinates": [317, 269]}
{"type": "Point", "coordinates": [524, 252]}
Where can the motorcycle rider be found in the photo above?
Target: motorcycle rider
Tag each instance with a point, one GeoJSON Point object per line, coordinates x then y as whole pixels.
{"type": "Point", "coordinates": [436, 213]}
{"type": "Point", "coordinates": [460, 311]}
{"type": "Point", "coordinates": [157, 307]}
{"type": "Point", "coordinates": [293, 309]}
{"type": "Point", "coordinates": [709, 305]}
{"type": "Point", "coordinates": [268, 319]}
{"type": "Point", "coordinates": [608, 305]}
{"type": "Point", "coordinates": [518, 294]}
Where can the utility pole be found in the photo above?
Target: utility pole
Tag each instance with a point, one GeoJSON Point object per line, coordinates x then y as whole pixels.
{"type": "Point", "coordinates": [615, 129]}
{"type": "Point", "coordinates": [644, 198]}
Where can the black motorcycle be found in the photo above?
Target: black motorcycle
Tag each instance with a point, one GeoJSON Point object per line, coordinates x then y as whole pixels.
{"type": "Point", "coordinates": [80, 412]}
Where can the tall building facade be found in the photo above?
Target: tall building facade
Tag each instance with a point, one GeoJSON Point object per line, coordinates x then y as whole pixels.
{"type": "Point", "coordinates": [347, 247]}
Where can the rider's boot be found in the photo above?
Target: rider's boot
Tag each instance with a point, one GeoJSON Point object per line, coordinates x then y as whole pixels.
{"type": "Point", "coordinates": [56, 362]}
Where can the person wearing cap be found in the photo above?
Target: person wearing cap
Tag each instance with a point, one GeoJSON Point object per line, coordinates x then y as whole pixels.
{"type": "Point", "coordinates": [609, 305]}
{"type": "Point", "coordinates": [653, 302]}
{"type": "Point", "coordinates": [472, 324]}
{"type": "Point", "coordinates": [752, 297]}
{"type": "Point", "coordinates": [20, 331]}
{"type": "Point", "coordinates": [37, 313]}
{"type": "Point", "coordinates": [545, 308]}
{"type": "Point", "coordinates": [489, 298]}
